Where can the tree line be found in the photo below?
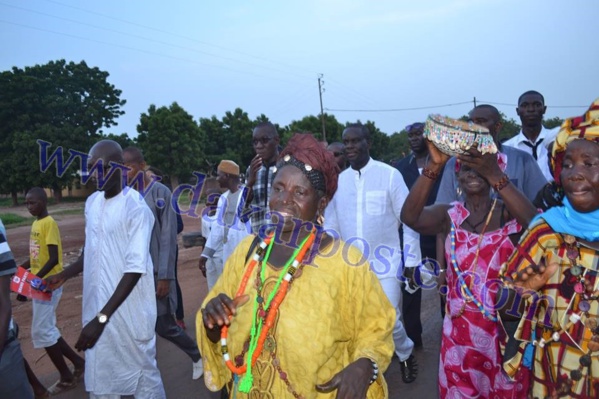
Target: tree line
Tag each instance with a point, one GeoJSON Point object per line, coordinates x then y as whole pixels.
{"type": "Point", "coordinates": [72, 104]}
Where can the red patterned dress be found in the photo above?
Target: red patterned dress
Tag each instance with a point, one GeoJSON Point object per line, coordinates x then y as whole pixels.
{"type": "Point", "coordinates": [471, 363]}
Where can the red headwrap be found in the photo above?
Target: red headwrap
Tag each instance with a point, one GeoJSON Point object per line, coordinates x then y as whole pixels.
{"type": "Point", "coordinates": [306, 149]}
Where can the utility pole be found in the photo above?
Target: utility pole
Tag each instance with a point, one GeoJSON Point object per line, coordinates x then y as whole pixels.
{"type": "Point", "coordinates": [474, 100]}
{"type": "Point", "coordinates": [320, 91]}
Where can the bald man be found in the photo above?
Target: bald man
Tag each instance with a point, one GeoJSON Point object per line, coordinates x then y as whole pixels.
{"type": "Point", "coordinates": [119, 301]}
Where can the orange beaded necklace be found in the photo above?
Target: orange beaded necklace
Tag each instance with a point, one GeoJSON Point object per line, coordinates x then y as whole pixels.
{"type": "Point", "coordinates": [263, 322]}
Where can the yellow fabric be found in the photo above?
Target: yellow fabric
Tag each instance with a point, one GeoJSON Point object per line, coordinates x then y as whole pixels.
{"type": "Point", "coordinates": [582, 127]}
{"type": "Point", "coordinates": [332, 315]}
{"type": "Point", "coordinates": [44, 232]}
{"type": "Point", "coordinates": [556, 359]}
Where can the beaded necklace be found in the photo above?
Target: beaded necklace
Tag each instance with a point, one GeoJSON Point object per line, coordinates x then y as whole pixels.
{"type": "Point", "coordinates": [264, 313]}
{"type": "Point", "coordinates": [467, 288]}
{"type": "Point", "coordinates": [584, 293]}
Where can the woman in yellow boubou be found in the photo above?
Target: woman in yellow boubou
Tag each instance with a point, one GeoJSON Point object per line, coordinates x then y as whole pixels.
{"type": "Point", "coordinates": [303, 316]}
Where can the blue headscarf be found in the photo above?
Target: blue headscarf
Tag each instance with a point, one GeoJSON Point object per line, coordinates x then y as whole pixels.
{"type": "Point", "coordinates": [567, 220]}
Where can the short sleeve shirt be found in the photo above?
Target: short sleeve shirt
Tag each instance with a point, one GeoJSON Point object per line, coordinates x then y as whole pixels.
{"type": "Point", "coordinates": [44, 232]}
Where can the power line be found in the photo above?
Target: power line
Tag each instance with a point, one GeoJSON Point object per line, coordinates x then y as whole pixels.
{"type": "Point", "coordinates": [148, 52]}
{"type": "Point", "coordinates": [179, 36]}
{"type": "Point", "coordinates": [398, 109]}
{"type": "Point", "coordinates": [151, 40]}
{"type": "Point", "coordinates": [442, 106]}
{"type": "Point", "coordinates": [551, 106]}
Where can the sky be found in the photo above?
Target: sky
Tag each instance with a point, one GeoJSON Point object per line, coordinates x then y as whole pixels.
{"type": "Point", "coordinates": [389, 61]}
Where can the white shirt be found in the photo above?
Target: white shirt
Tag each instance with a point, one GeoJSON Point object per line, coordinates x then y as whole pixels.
{"type": "Point", "coordinates": [117, 241]}
{"type": "Point", "coordinates": [207, 223]}
{"type": "Point", "coordinates": [547, 136]}
{"type": "Point", "coordinates": [365, 213]}
{"type": "Point", "coordinates": [229, 235]}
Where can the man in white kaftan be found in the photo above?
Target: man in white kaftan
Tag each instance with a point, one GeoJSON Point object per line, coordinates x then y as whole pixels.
{"type": "Point", "coordinates": [119, 301]}
{"type": "Point", "coordinates": [229, 228]}
{"type": "Point", "coordinates": [123, 361]}
{"type": "Point", "coordinates": [364, 212]}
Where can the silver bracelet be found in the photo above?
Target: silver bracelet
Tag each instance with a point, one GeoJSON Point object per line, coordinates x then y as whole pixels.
{"type": "Point", "coordinates": [375, 372]}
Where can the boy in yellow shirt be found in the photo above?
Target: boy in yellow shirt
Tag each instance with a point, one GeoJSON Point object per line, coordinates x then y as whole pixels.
{"type": "Point", "coordinates": [45, 259]}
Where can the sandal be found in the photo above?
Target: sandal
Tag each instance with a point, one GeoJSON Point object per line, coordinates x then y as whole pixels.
{"type": "Point", "coordinates": [62, 386]}
{"type": "Point", "coordinates": [409, 369]}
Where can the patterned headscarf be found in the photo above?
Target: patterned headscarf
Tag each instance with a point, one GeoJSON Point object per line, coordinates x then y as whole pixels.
{"type": "Point", "coordinates": [580, 127]}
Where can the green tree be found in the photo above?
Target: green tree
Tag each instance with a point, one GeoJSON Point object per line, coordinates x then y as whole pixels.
{"type": "Point", "coordinates": [123, 139]}
{"type": "Point", "coordinates": [171, 140]}
{"type": "Point", "coordinates": [237, 129]}
{"type": "Point", "coordinates": [554, 122]}
{"type": "Point", "coordinates": [399, 146]}
{"type": "Point", "coordinates": [213, 144]}
{"type": "Point", "coordinates": [313, 124]}
{"type": "Point", "coordinates": [66, 104]}
{"type": "Point", "coordinates": [509, 129]}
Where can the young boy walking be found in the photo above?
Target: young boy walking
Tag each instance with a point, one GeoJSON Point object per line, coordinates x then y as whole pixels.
{"type": "Point", "coordinates": [45, 259]}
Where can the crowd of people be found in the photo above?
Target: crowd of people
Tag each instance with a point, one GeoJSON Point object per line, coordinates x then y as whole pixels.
{"type": "Point", "coordinates": [316, 263]}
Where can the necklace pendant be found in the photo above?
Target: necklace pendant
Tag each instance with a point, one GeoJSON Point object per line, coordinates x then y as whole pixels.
{"type": "Point", "coordinates": [585, 360]}
{"type": "Point", "coordinates": [239, 360]}
{"type": "Point", "coordinates": [576, 270]}
{"type": "Point", "coordinates": [584, 306]}
{"type": "Point", "coordinates": [572, 253]}
{"type": "Point", "coordinates": [569, 239]}
{"type": "Point", "coordinates": [270, 344]}
{"type": "Point", "coordinates": [575, 375]}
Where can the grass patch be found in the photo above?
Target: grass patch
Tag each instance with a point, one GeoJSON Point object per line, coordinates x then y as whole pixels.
{"type": "Point", "coordinates": [7, 201]}
{"type": "Point", "coordinates": [12, 220]}
{"type": "Point", "coordinates": [77, 211]}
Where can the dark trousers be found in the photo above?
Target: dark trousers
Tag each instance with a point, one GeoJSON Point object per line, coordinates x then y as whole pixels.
{"type": "Point", "coordinates": [411, 315]}
{"type": "Point", "coordinates": [179, 314]}
{"type": "Point", "coordinates": [167, 328]}
{"type": "Point", "coordinates": [411, 304]}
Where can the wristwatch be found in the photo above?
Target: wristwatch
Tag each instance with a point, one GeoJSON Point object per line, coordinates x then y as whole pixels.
{"type": "Point", "coordinates": [102, 318]}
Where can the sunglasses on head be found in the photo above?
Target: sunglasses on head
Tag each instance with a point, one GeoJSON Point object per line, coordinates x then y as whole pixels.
{"type": "Point", "coordinates": [417, 125]}
{"type": "Point", "coordinates": [263, 141]}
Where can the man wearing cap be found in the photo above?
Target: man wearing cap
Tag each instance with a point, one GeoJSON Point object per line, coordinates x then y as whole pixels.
{"type": "Point", "coordinates": [229, 228]}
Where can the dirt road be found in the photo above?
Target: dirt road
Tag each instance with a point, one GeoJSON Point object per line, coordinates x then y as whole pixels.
{"type": "Point", "coordinates": [174, 365]}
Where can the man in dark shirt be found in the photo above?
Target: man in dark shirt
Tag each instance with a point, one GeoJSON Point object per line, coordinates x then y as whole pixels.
{"type": "Point", "coordinates": [260, 174]}
{"type": "Point", "coordinates": [410, 168]}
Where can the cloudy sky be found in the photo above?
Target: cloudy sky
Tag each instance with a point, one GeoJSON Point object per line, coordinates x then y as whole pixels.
{"type": "Point", "coordinates": [378, 58]}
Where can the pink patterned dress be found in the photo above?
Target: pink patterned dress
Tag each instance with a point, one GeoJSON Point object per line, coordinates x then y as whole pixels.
{"type": "Point", "coordinates": [471, 363]}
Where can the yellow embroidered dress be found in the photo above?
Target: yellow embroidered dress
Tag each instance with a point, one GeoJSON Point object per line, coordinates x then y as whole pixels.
{"type": "Point", "coordinates": [334, 313]}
